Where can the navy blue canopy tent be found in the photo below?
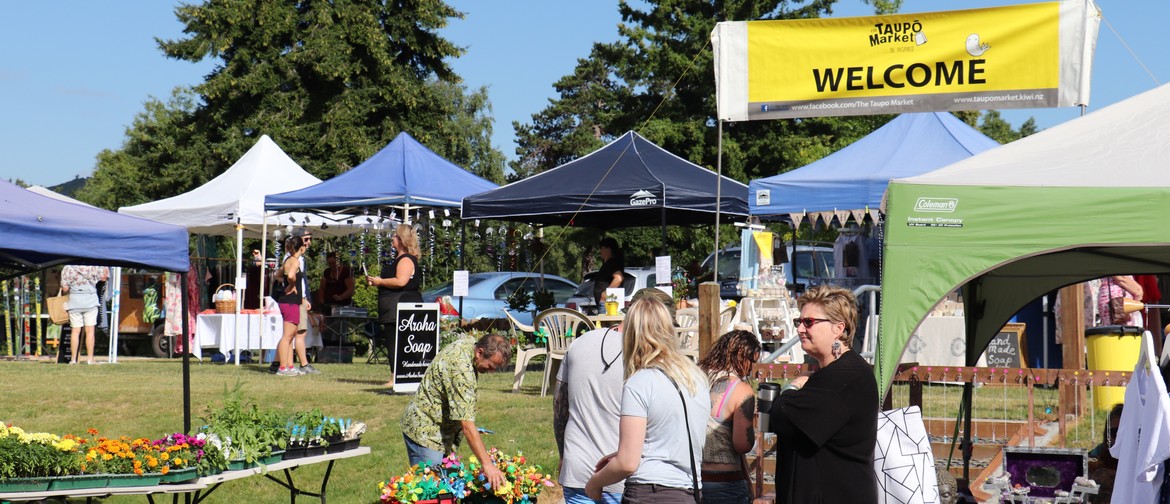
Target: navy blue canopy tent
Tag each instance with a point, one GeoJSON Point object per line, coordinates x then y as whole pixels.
{"type": "Point", "coordinates": [629, 182]}
{"type": "Point", "coordinates": [404, 173]}
{"type": "Point", "coordinates": [852, 180]}
{"type": "Point", "coordinates": [41, 232]}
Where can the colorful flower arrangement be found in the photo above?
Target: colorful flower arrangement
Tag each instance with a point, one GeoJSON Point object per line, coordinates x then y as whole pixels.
{"type": "Point", "coordinates": [450, 478]}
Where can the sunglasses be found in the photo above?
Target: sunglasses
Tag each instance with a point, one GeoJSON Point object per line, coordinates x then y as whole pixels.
{"type": "Point", "coordinates": [808, 321]}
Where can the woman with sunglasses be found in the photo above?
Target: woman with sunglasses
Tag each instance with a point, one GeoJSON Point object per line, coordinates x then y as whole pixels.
{"type": "Point", "coordinates": [826, 421]}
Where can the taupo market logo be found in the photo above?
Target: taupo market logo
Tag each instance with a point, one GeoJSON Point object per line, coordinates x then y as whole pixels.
{"type": "Point", "coordinates": [643, 198]}
{"type": "Point", "coordinates": [897, 33]}
{"type": "Point", "coordinates": [946, 205]}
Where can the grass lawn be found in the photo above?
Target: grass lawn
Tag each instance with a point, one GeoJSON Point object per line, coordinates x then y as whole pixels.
{"type": "Point", "coordinates": [143, 397]}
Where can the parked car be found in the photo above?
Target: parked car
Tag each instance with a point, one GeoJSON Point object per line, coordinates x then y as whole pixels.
{"type": "Point", "coordinates": [488, 293]}
{"type": "Point", "coordinates": [635, 279]}
{"type": "Point", "coordinates": [812, 261]}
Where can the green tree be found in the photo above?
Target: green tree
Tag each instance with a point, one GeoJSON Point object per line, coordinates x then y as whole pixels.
{"type": "Point", "coordinates": [330, 82]}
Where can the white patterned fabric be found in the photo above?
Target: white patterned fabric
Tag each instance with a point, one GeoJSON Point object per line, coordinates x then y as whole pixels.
{"type": "Point", "coordinates": [902, 461]}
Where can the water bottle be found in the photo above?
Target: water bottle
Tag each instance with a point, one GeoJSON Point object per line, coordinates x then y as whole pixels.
{"type": "Point", "coordinates": [767, 393]}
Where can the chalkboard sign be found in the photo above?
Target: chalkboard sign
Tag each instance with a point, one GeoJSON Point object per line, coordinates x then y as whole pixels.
{"type": "Point", "coordinates": [1005, 349]}
{"type": "Point", "coordinates": [416, 343]}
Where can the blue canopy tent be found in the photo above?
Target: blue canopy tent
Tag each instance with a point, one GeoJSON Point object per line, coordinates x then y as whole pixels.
{"type": "Point", "coordinates": [851, 181]}
{"type": "Point", "coordinates": [403, 174]}
{"type": "Point", "coordinates": [41, 232]}
{"type": "Point", "coordinates": [629, 182]}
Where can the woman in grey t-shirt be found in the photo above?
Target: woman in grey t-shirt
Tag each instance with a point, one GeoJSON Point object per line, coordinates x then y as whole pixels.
{"type": "Point", "coordinates": [659, 446]}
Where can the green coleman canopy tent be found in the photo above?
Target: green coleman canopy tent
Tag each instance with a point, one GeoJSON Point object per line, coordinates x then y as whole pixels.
{"type": "Point", "coordinates": [1078, 201]}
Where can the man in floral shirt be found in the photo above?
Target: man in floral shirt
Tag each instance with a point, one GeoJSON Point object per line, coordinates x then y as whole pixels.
{"type": "Point", "coordinates": [444, 405]}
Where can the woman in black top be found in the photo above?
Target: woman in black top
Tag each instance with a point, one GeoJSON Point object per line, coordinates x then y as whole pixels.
{"type": "Point", "coordinates": [287, 287]}
{"type": "Point", "coordinates": [612, 270]}
{"type": "Point", "coordinates": [399, 283]}
{"type": "Point", "coordinates": [826, 422]}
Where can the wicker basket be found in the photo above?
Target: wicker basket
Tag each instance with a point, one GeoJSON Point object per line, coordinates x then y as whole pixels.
{"type": "Point", "coordinates": [226, 306]}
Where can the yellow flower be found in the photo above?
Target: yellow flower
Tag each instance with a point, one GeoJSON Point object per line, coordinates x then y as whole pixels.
{"type": "Point", "coordinates": [65, 445]}
{"type": "Point", "coordinates": [107, 456]}
{"type": "Point", "coordinates": [164, 456]}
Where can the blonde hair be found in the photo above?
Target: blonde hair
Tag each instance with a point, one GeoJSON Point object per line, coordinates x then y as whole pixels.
{"type": "Point", "coordinates": [408, 238]}
{"type": "Point", "coordinates": [839, 305]}
{"type": "Point", "coordinates": [649, 342]}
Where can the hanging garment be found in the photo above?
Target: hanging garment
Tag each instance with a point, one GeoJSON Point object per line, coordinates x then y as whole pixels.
{"type": "Point", "coordinates": [1143, 436]}
{"type": "Point", "coordinates": [172, 305]}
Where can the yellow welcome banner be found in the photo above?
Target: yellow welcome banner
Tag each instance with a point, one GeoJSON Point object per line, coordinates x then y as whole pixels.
{"type": "Point", "coordinates": [1022, 56]}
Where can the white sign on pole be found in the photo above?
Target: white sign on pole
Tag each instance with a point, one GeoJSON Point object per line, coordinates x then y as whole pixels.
{"type": "Point", "coordinates": [459, 289]}
{"type": "Point", "coordinates": [662, 270]}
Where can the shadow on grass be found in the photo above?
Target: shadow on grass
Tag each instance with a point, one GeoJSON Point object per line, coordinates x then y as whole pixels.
{"type": "Point", "coordinates": [360, 382]}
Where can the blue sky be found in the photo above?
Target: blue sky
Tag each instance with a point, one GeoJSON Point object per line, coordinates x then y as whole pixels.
{"type": "Point", "coordinates": [75, 72]}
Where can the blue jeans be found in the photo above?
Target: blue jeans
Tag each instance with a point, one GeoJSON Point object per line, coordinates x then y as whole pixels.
{"type": "Point", "coordinates": [577, 496]}
{"type": "Point", "coordinates": [419, 454]}
{"type": "Point", "coordinates": [730, 492]}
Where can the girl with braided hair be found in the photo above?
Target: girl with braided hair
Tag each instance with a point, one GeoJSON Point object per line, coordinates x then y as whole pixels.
{"type": "Point", "coordinates": [730, 424]}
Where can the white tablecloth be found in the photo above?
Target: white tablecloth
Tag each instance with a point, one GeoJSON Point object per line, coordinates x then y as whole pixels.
{"type": "Point", "coordinates": [257, 332]}
{"type": "Point", "coordinates": [940, 341]}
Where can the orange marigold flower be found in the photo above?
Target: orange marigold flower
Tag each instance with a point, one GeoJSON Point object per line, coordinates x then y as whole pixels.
{"type": "Point", "coordinates": [92, 431]}
{"type": "Point", "coordinates": [138, 471]}
{"type": "Point", "coordinates": [152, 462]}
{"type": "Point", "coordinates": [165, 470]}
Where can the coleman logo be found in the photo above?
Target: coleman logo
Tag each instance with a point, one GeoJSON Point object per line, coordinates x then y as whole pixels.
{"type": "Point", "coordinates": [936, 205]}
{"type": "Point", "coordinates": [643, 198]}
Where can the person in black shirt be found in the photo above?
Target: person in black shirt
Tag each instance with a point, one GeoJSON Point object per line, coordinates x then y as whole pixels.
{"type": "Point", "coordinates": [826, 421]}
{"type": "Point", "coordinates": [612, 269]}
{"type": "Point", "coordinates": [399, 283]}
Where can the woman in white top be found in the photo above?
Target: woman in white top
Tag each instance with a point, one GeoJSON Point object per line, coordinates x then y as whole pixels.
{"type": "Point", "coordinates": [659, 442]}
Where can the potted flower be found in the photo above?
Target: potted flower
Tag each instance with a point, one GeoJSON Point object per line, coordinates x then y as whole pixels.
{"type": "Point", "coordinates": [247, 435]}
{"type": "Point", "coordinates": [29, 461]}
{"type": "Point", "coordinates": [128, 461]}
{"type": "Point", "coordinates": [611, 304]}
{"type": "Point", "coordinates": [180, 455]}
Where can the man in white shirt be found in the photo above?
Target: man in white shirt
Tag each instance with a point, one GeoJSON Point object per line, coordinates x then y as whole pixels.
{"type": "Point", "coordinates": [587, 406]}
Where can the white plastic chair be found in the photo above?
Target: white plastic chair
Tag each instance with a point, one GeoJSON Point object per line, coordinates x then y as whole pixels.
{"type": "Point", "coordinates": [727, 319]}
{"type": "Point", "coordinates": [562, 325]}
{"type": "Point", "coordinates": [688, 332]}
{"type": "Point", "coordinates": [523, 355]}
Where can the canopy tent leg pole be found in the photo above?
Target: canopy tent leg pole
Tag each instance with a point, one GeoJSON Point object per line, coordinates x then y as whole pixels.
{"type": "Point", "coordinates": [236, 284]}
{"type": "Point", "coordinates": [115, 289]}
{"type": "Point", "coordinates": [663, 251]}
{"type": "Point", "coordinates": [260, 288]}
{"type": "Point", "coordinates": [463, 255]}
{"type": "Point", "coordinates": [974, 313]}
{"type": "Point", "coordinates": [184, 299]}
{"type": "Point", "coordinates": [718, 197]}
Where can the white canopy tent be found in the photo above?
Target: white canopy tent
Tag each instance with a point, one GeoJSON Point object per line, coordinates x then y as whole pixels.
{"type": "Point", "coordinates": [233, 204]}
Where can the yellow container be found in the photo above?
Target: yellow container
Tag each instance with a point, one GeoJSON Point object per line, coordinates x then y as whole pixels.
{"type": "Point", "coordinates": [611, 308]}
{"type": "Point", "coordinates": [1111, 348]}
